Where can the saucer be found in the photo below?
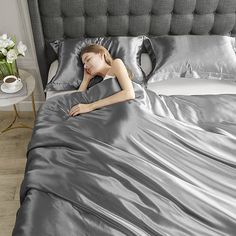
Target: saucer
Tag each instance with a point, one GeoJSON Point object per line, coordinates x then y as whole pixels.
{"type": "Point", "coordinates": [5, 89]}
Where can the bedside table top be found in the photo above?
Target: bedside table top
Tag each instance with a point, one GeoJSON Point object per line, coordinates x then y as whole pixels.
{"type": "Point", "coordinates": [30, 80]}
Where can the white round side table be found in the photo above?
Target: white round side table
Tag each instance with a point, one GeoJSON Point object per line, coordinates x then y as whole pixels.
{"type": "Point", "coordinates": [30, 81]}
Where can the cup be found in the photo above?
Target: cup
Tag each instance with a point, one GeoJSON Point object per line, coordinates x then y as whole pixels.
{"type": "Point", "coordinates": [11, 81]}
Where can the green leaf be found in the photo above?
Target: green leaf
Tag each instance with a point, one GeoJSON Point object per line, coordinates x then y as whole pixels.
{"type": "Point", "coordinates": [4, 69]}
{"type": "Point", "coordinates": [3, 62]}
{"type": "Point", "coordinates": [14, 39]}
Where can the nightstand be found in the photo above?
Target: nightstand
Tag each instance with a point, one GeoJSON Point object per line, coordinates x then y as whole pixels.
{"type": "Point", "coordinates": [30, 81]}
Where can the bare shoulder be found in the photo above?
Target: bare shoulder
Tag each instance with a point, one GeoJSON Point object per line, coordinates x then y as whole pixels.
{"type": "Point", "coordinates": [117, 66]}
{"type": "Point", "coordinates": [117, 62]}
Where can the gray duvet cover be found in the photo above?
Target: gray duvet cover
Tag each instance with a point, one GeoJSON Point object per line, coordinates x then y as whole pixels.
{"type": "Point", "coordinates": [156, 165]}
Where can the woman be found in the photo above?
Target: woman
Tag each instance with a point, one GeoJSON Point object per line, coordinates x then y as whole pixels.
{"type": "Point", "coordinates": [98, 61]}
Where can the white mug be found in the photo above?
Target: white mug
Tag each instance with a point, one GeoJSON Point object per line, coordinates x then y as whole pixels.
{"type": "Point", "coordinates": [11, 81]}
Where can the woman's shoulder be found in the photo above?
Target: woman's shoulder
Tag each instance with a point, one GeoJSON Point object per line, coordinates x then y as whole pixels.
{"type": "Point", "coordinates": [116, 66]}
{"type": "Point", "coordinates": [117, 63]}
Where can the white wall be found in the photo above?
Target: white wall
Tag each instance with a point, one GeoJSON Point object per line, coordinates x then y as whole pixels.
{"type": "Point", "coordinates": [15, 20]}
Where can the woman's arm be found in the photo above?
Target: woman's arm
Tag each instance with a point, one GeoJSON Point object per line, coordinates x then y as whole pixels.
{"type": "Point", "coordinates": [85, 82]}
{"type": "Point", "coordinates": [127, 92]}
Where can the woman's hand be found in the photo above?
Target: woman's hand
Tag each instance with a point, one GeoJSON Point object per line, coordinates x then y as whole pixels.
{"type": "Point", "coordinates": [87, 75]}
{"type": "Point", "coordinates": [86, 79]}
{"type": "Point", "coordinates": [80, 108]}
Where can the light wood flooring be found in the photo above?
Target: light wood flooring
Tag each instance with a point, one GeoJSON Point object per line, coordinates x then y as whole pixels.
{"type": "Point", "coordinates": [13, 146]}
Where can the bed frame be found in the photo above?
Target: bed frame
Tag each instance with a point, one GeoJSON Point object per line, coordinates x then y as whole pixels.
{"type": "Point", "coordinates": [58, 19]}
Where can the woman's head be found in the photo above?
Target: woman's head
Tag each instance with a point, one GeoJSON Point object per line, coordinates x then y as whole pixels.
{"type": "Point", "coordinates": [95, 57]}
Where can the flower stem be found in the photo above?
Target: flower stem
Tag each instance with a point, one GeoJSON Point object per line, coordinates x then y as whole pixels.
{"type": "Point", "coordinates": [9, 68]}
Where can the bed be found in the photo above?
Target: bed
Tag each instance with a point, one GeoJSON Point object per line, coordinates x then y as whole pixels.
{"type": "Point", "coordinates": [161, 164]}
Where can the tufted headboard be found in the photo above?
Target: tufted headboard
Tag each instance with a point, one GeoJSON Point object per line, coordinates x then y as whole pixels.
{"type": "Point", "coordinates": [57, 19]}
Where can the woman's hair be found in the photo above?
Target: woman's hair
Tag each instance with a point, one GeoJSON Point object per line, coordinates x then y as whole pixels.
{"type": "Point", "coordinates": [96, 48]}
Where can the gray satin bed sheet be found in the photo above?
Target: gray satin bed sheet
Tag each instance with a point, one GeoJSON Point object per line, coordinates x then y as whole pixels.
{"type": "Point", "coordinates": [156, 165]}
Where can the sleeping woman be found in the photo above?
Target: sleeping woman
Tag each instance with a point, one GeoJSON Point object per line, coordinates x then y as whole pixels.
{"type": "Point", "coordinates": [98, 61]}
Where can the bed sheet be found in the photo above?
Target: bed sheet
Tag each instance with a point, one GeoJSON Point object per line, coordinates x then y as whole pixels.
{"type": "Point", "coordinates": [156, 165]}
{"type": "Point", "coordinates": [191, 86]}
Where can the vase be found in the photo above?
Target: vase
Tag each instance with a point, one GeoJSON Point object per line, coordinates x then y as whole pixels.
{"type": "Point", "coordinates": [8, 69]}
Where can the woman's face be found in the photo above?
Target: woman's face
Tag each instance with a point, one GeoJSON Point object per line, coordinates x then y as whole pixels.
{"type": "Point", "coordinates": [93, 62]}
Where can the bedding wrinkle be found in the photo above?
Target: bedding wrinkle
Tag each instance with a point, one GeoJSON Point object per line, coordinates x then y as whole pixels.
{"type": "Point", "coordinates": [155, 165]}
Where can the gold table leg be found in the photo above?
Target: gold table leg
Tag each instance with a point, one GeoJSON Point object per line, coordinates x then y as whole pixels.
{"type": "Point", "coordinates": [33, 104]}
{"type": "Point", "coordinates": [16, 115]}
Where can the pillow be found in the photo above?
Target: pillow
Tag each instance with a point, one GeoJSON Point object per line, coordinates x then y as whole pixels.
{"type": "Point", "coordinates": [206, 56]}
{"type": "Point", "coordinates": [53, 69]}
{"type": "Point", "coordinates": [70, 69]}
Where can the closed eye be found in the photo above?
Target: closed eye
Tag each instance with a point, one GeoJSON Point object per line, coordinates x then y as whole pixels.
{"type": "Point", "coordinates": [86, 60]}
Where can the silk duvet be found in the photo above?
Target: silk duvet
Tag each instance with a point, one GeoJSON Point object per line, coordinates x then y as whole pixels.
{"type": "Point", "coordinates": [155, 165]}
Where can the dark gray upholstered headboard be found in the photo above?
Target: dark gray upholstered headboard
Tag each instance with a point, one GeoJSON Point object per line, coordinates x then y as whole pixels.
{"type": "Point", "coordinates": [57, 19]}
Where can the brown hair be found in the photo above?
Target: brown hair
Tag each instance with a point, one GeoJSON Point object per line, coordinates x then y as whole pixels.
{"type": "Point", "coordinates": [96, 48]}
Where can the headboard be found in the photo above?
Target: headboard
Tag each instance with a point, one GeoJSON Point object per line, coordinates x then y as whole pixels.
{"type": "Point", "coordinates": [57, 19]}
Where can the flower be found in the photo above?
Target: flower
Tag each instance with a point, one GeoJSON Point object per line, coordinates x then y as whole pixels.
{"type": "Point", "coordinates": [6, 42]}
{"type": "Point", "coordinates": [21, 48]}
{"type": "Point", "coordinates": [9, 54]}
{"type": "Point", "coordinates": [3, 37]}
{"type": "Point", "coordinates": [3, 51]}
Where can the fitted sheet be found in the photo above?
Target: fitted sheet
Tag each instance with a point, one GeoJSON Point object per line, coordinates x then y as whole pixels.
{"type": "Point", "coordinates": [190, 86]}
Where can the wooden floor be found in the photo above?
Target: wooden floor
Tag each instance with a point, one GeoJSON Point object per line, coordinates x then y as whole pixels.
{"type": "Point", "coordinates": [13, 146]}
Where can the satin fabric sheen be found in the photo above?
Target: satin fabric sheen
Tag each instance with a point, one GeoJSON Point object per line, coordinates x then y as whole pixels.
{"type": "Point", "coordinates": [70, 69]}
{"type": "Point", "coordinates": [211, 57]}
{"type": "Point", "coordinates": [156, 165]}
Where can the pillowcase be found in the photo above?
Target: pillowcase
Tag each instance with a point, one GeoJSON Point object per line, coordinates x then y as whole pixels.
{"type": "Point", "coordinates": [210, 57]}
{"type": "Point", "coordinates": [53, 69]}
{"type": "Point", "coordinates": [70, 69]}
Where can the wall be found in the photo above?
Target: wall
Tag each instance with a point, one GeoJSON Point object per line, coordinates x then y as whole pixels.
{"type": "Point", "coordinates": [15, 20]}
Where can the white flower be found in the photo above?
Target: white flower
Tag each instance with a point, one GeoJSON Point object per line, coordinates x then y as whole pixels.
{"type": "Point", "coordinates": [3, 37]}
{"type": "Point", "coordinates": [6, 42]}
{"type": "Point", "coordinates": [8, 51]}
{"type": "Point", "coordinates": [10, 43]}
{"type": "Point", "coordinates": [12, 55]}
{"type": "Point", "coordinates": [21, 48]}
{"type": "Point", "coordinates": [3, 43]}
{"type": "Point", "coordinates": [3, 51]}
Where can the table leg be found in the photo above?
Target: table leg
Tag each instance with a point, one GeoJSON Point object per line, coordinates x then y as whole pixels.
{"type": "Point", "coordinates": [10, 126]}
{"type": "Point", "coordinates": [13, 121]}
{"type": "Point", "coordinates": [33, 104]}
{"type": "Point", "coordinates": [16, 113]}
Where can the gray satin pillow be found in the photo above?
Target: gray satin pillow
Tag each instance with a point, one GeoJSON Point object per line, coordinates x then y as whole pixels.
{"type": "Point", "coordinates": [210, 57]}
{"type": "Point", "coordinates": [70, 69]}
